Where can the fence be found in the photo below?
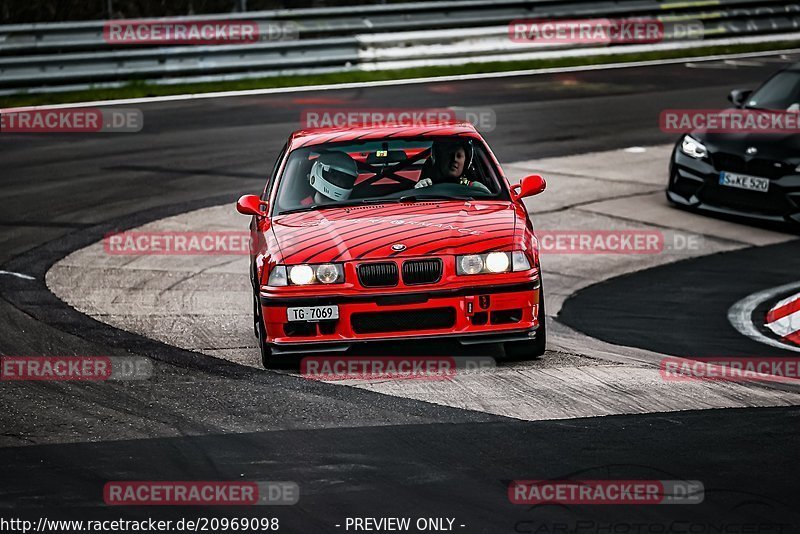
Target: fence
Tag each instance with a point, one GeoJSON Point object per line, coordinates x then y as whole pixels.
{"type": "Point", "coordinates": [63, 56]}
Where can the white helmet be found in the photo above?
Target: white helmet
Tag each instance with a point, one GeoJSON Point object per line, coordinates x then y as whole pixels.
{"type": "Point", "coordinates": [334, 174]}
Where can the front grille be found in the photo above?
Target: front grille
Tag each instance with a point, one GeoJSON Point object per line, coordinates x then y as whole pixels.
{"type": "Point", "coordinates": [770, 203]}
{"type": "Point", "coordinates": [764, 168]}
{"type": "Point", "coordinates": [773, 202]}
{"type": "Point", "coordinates": [418, 272]}
{"type": "Point", "coordinates": [403, 321]}
{"type": "Point", "coordinates": [378, 274]}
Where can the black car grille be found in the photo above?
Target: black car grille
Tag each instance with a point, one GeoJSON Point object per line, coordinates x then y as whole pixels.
{"type": "Point", "coordinates": [403, 321]}
{"type": "Point", "coordinates": [772, 203]}
{"type": "Point", "coordinates": [378, 274]}
{"type": "Point", "coordinates": [418, 272]}
{"type": "Point", "coordinates": [764, 168]}
{"type": "Point", "coordinates": [748, 201]}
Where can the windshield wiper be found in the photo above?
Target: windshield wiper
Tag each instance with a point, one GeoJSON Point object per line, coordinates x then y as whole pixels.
{"type": "Point", "coordinates": [313, 207]}
{"type": "Point", "coordinates": [341, 205]}
{"type": "Point", "coordinates": [420, 198]}
{"type": "Point", "coordinates": [407, 198]}
{"type": "Point", "coordinates": [380, 200]}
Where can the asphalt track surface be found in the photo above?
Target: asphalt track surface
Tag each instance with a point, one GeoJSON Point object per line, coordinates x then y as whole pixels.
{"type": "Point", "coordinates": [665, 324]}
{"type": "Point", "coordinates": [354, 452]}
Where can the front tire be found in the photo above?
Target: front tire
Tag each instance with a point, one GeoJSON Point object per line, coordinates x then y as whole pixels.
{"type": "Point", "coordinates": [268, 360]}
{"type": "Point", "coordinates": [529, 350]}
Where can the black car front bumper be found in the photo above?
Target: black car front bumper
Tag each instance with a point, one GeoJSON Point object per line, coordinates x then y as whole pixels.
{"type": "Point", "coordinates": [695, 184]}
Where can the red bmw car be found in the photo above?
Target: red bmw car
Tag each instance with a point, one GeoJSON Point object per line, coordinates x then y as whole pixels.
{"type": "Point", "coordinates": [396, 232]}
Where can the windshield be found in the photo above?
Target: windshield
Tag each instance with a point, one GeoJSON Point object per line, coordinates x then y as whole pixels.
{"type": "Point", "coordinates": [336, 175]}
{"type": "Point", "coordinates": [781, 92]}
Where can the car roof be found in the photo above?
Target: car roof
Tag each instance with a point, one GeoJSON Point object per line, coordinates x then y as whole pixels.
{"type": "Point", "coordinates": [795, 67]}
{"type": "Point", "coordinates": [318, 136]}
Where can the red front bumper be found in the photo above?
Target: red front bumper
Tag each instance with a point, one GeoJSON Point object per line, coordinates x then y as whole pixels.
{"type": "Point", "coordinates": [462, 312]}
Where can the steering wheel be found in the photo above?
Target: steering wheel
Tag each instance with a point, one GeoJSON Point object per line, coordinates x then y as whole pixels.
{"type": "Point", "coordinates": [480, 187]}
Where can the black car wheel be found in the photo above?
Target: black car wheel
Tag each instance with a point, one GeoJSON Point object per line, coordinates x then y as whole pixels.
{"type": "Point", "coordinates": [268, 359]}
{"type": "Point", "coordinates": [256, 316]}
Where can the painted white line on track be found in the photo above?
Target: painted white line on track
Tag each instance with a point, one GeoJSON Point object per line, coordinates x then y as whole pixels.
{"type": "Point", "coordinates": [740, 315]}
{"type": "Point", "coordinates": [712, 65]}
{"type": "Point", "coordinates": [18, 275]}
{"type": "Point", "coordinates": [739, 63]}
{"type": "Point", "coordinates": [410, 81]}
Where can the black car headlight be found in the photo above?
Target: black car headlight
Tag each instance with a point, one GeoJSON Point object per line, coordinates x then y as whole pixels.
{"type": "Point", "coordinates": [492, 263]}
{"type": "Point", "coordinates": [693, 148]}
{"type": "Point", "coordinates": [304, 275]}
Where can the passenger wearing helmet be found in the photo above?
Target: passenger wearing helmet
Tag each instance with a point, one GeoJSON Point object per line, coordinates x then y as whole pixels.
{"type": "Point", "coordinates": [333, 176]}
{"type": "Point", "coordinates": [449, 163]}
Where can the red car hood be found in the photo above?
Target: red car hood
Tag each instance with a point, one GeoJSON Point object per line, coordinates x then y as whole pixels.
{"type": "Point", "coordinates": [396, 230]}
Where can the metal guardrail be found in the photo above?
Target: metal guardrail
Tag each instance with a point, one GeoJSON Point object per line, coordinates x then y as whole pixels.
{"type": "Point", "coordinates": [37, 57]}
{"type": "Point", "coordinates": [325, 22]}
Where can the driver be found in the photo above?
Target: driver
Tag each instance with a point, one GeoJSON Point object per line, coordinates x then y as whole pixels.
{"type": "Point", "coordinates": [449, 162]}
{"type": "Point", "coordinates": [333, 176]}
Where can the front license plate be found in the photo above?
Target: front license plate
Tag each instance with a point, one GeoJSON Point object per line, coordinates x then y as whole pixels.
{"type": "Point", "coordinates": [742, 181]}
{"type": "Point", "coordinates": [313, 313]}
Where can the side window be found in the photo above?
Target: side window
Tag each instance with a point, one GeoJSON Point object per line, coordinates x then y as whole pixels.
{"type": "Point", "coordinates": [273, 174]}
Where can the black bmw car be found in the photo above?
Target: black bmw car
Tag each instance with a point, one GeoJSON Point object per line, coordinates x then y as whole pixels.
{"type": "Point", "coordinates": [755, 175]}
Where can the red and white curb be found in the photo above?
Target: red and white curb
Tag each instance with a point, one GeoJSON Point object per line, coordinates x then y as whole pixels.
{"type": "Point", "coordinates": [784, 319]}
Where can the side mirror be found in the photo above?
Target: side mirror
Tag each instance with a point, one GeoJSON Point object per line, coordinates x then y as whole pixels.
{"type": "Point", "coordinates": [251, 205]}
{"type": "Point", "coordinates": [738, 97]}
{"type": "Point", "coordinates": [529, 186]}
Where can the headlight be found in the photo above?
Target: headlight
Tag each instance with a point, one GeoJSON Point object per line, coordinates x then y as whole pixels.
{"type": "Point", "coordinates": [497, 262]}
{"type": "Point", "coordinates": [492, 263]}
{"type": "Point", "coordinates": [301, 275]}
{"type": "Point", "coordinates": [519, 261]}
{"type": "Point", "coordinates": [472, 264]}
{"type": "Point", "coordinates": [693, 148]}
{"type": "Point", "coordinates": [329, 273]}
{"type": "Point", "coordinates": [277, 277]}
{"type": "Point", "coordinates": [797, 169]}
